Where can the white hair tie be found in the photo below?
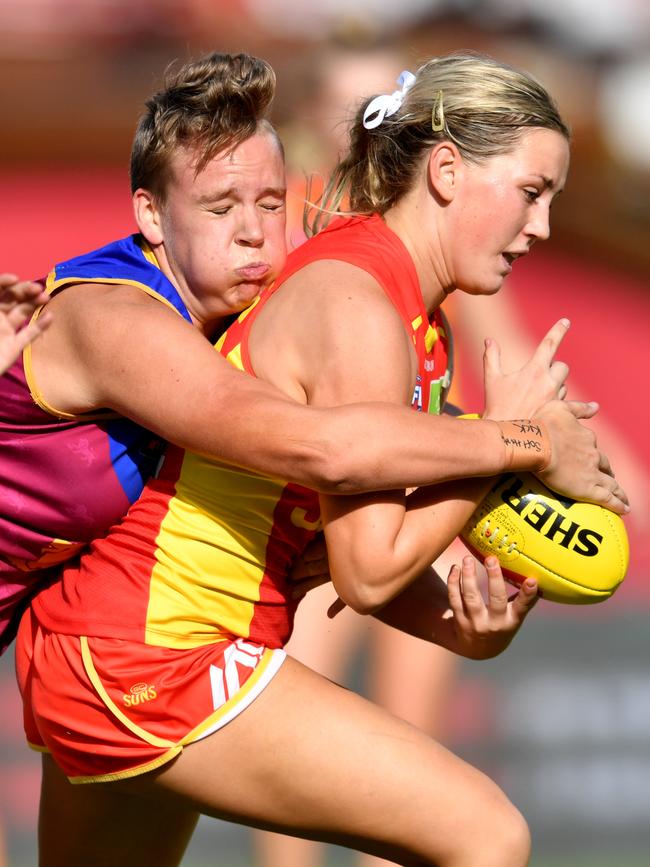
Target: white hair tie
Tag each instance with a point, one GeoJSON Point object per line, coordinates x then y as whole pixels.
{"type": "Point", "coordinates": [388, 103]}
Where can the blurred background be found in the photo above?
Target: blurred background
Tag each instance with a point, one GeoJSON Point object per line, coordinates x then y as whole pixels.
{"type": "Point", "coordinates": [562, 720]}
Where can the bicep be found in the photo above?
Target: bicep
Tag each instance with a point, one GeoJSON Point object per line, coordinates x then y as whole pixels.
{"type": "Point", "coordinates": [152, 366]}
{"type": "Point", "coordinates": [115, 348]}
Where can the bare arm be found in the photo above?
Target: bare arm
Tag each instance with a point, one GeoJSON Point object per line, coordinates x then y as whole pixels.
{"type": "Point", "coordinates": [113, 347]}
{"type": "Point", "coordinates": [455, 615]}
{"type": "Point", "coordinates": [344, 342]}
{"type": "Point", "coordinates": [379, 544]}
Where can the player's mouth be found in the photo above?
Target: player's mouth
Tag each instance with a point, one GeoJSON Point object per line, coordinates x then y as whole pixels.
{"type": "Point", "coordinates": [253, 272]}
{"type": "Point", "coordinates": [510, 259]}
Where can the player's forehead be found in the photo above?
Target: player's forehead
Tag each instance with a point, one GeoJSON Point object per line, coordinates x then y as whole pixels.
{"type": "Point", "coordinates": [246, 167]}
{"type": "Point", "coordinates": [539, 152]}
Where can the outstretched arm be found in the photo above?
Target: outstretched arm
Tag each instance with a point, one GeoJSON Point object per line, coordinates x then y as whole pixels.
{"type": "Point", "coordinates": [113, 347]}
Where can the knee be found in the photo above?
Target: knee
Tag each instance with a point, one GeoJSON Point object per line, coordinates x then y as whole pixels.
{"type": "Point", "coordinates": [497, 835]}
{"type": "Point", "coordinates": [510, 838]}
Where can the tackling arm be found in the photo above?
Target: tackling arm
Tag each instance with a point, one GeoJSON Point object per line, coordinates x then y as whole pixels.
{"type": "Point", "coordinates": [115, 348]}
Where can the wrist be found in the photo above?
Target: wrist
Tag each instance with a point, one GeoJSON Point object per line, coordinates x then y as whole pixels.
{"type": "Point", "coordinates": [526, 445]}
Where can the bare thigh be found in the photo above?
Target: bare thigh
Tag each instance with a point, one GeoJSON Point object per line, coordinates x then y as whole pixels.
{"type": "Point", "coordinates": [100, 825]}
{"type": "Point", "coordinates": [311, 759]}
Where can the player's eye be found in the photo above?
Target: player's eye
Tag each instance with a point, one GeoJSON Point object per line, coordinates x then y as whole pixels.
{"type": "Point", "coordinates": [273, 205]}
{"type": "Point", "coordinates": [531, 194]}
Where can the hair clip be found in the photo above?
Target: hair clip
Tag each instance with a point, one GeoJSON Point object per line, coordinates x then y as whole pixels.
{"type": "Point", "coordinates": [437, 113]}
{"type": "Point", "coordinates": [387, 103]}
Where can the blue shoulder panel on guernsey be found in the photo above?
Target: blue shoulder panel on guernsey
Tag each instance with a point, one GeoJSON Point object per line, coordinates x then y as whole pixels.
{"type": "Point", "coordinates": [123, 261]}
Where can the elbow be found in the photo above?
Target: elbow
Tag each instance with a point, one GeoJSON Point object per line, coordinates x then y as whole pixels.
{"type": "Point", "coordinates": [367, 582]}
{"type": "Point", "coordinates": [333, 471]}
{"type": "Point", "coordinates": [331, 476]}
{"type": "Point", "coordinates": [363, 597]}
{"type": "Point", "coordinates": [342, 462]}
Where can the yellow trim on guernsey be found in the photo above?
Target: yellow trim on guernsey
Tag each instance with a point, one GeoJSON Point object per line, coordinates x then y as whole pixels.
{"type": "Point", "coordinates": [147, 252]}
{"type": "Point", "coordinates": [430, 338]}
{"type": "Point", "coordinates": [38, 748]}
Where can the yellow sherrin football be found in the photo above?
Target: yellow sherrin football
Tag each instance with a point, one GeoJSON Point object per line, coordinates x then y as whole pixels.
{"type": "Point", "coordinates": [577, 552]}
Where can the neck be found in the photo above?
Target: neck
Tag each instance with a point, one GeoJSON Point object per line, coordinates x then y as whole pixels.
{"type": "Point", "coordinates": [406, 218]}
{"type": "Point", "coordinates": [201, 319]}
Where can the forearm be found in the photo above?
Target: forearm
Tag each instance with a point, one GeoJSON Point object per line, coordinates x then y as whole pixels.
{"type": "Point", "coordinates": [421, 610]}
{"type": "Point", "coordinates": [350, 449]}
{"type": "Point", "coordinates": [370, 447]}
{"type": "Point", "coordinates": [387, 447]}
{"type": "Point", "coordinates": [378, 548]}
{"type": "Point", "coordinates": [347, 449]}
{"type": "Point", "coordinates": [434, 517]}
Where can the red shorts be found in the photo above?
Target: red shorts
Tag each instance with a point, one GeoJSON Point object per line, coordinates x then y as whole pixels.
{"type": "Point", "coordinates": [109, 709]}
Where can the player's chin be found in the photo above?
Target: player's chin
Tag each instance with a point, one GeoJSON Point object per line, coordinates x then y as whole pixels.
{"type": "Point", "coordinates": [496, 283]}
{"type": "Point", "coordinates": [243, 294]}
{"type": "Point", "coordinates": [488, 287]}
{"type": "Point", "coordinates": [488, 283]}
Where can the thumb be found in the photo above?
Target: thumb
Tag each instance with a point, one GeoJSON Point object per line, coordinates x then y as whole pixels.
{"type": "Point", "coordinates": [582, 409]}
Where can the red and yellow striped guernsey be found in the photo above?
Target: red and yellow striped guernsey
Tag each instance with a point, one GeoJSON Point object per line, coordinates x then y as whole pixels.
{"type": "Point", "coordinates": [204, 553]}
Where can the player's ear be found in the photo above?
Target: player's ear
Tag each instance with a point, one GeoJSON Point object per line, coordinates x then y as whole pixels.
{"type": "Point", "coordinates": [444, 168]}
{"type": "Point", "coordinates": [147, 216]}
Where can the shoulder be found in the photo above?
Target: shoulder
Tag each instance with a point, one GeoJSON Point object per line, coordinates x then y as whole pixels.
{"type": "Point", "coordinates": [83, 304]}
{"type": "Point", "coordinates": [328, 299]}
{"type": "Point", "coordinates": [97, 330]}
{"type": "Point", "coordinates": [333, 279]}
{"type": "Point", "coordinates": [332, 329]}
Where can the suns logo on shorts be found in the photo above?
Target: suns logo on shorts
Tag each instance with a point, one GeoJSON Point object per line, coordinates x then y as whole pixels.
{"type": "Point", "coordinates": [138, 694]}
